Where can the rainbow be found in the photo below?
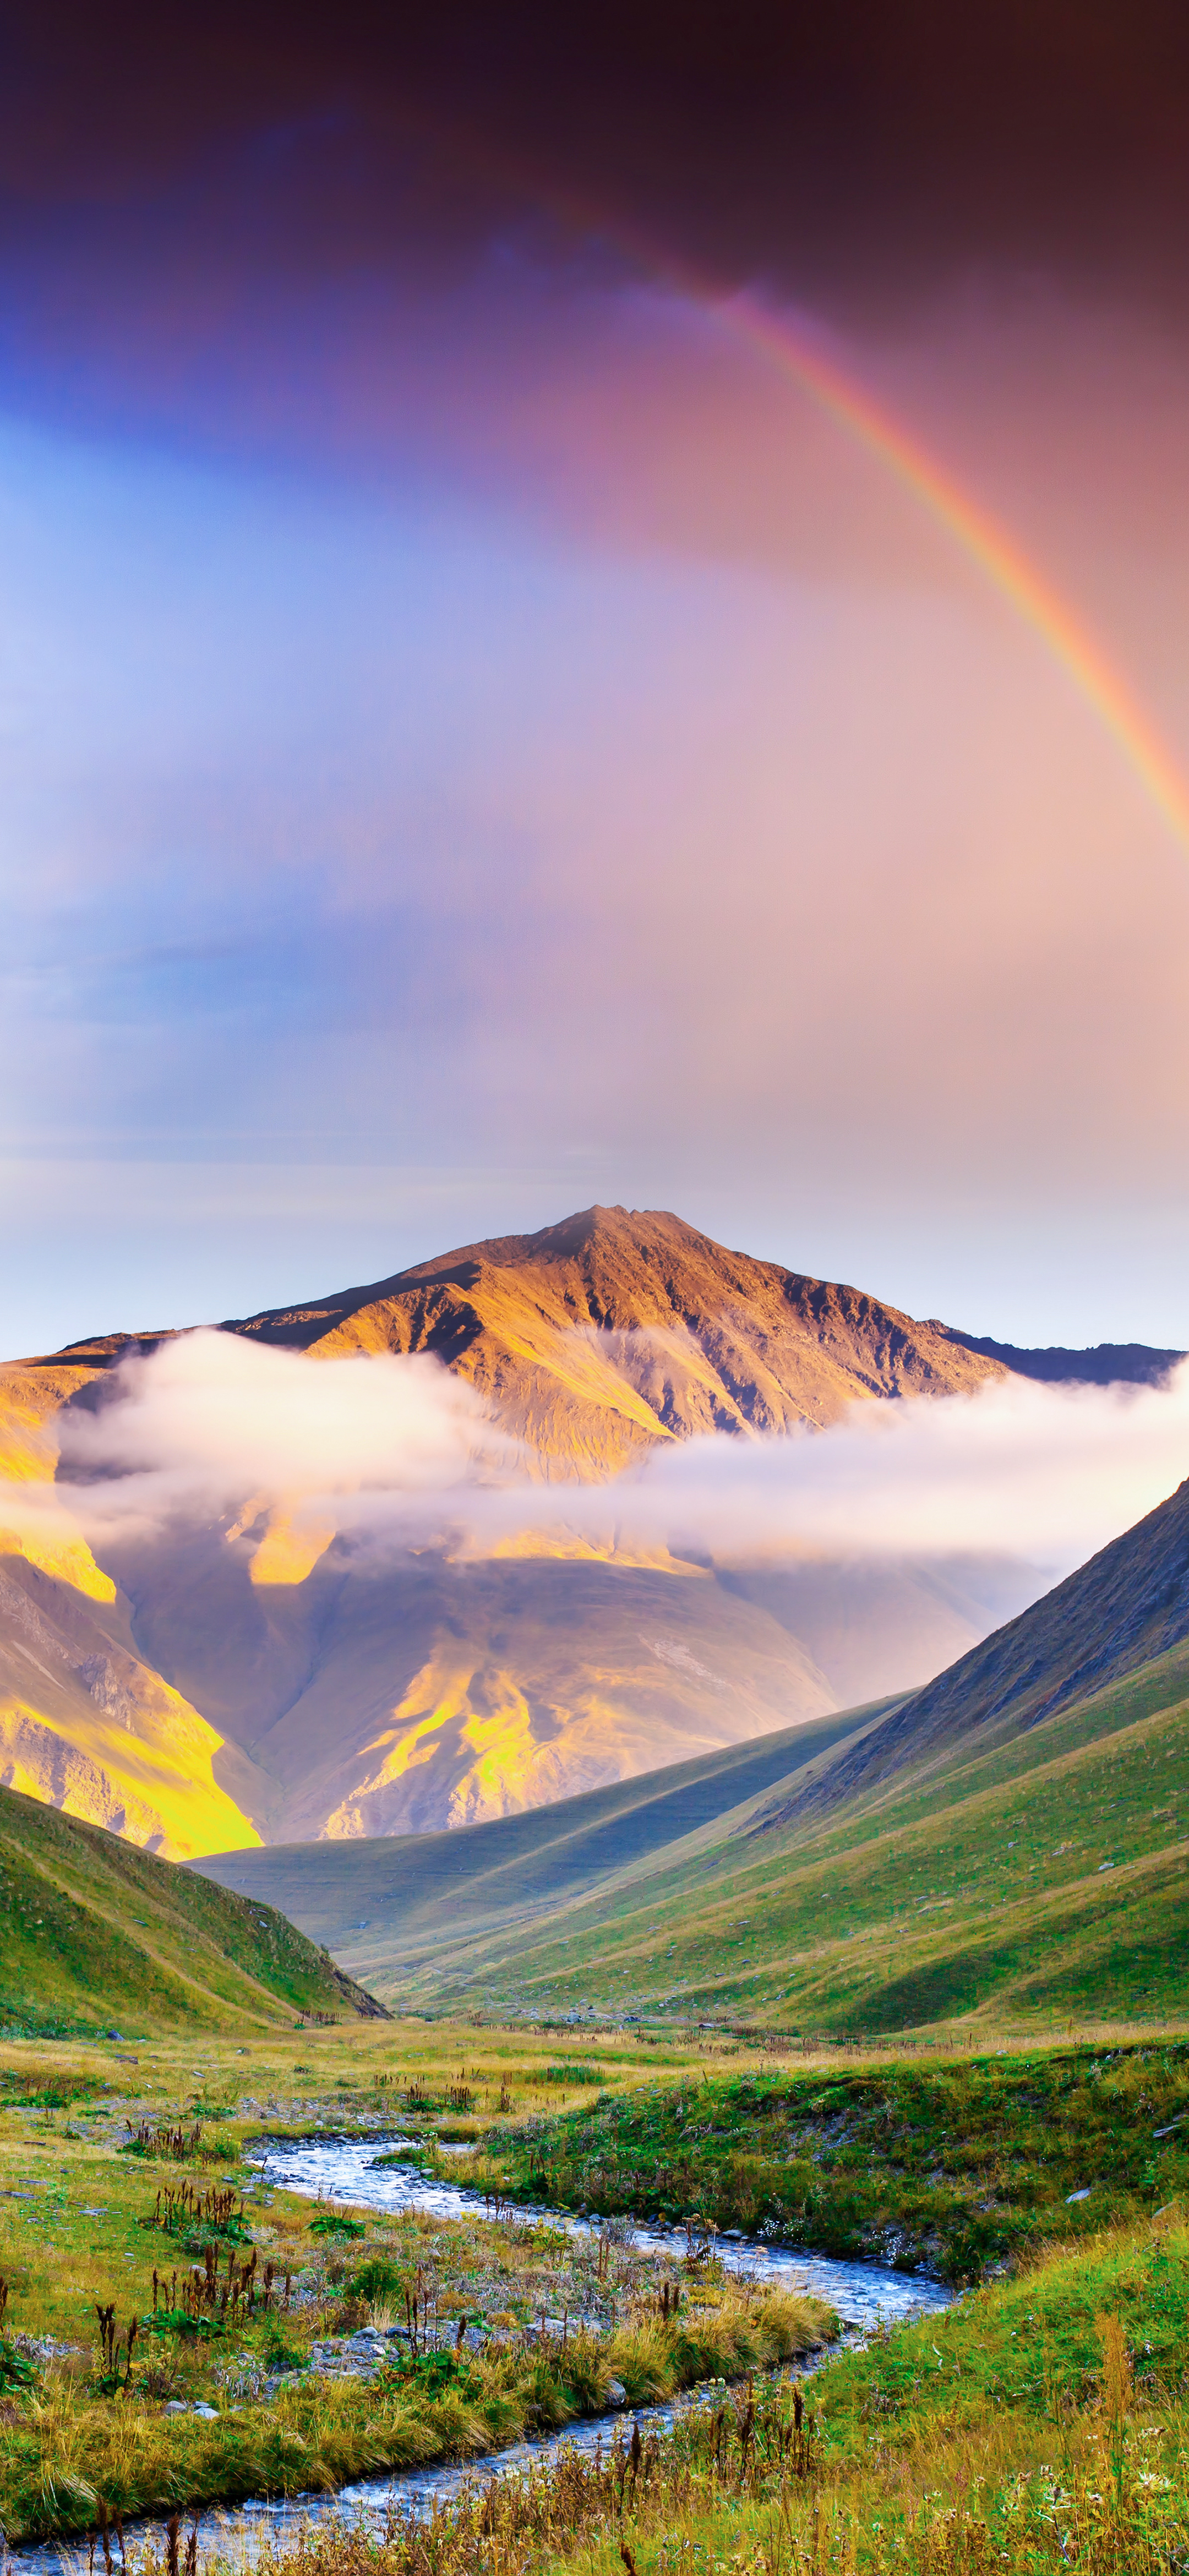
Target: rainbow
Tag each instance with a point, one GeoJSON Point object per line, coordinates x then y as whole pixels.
{"type": "Point", "coordinates": [799, 356]}
{"type": "Point", "coordinates": [981, 538]}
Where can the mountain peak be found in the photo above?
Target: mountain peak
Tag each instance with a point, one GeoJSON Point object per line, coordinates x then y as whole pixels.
{"type": "Point", "coordinates": [617, 1328]}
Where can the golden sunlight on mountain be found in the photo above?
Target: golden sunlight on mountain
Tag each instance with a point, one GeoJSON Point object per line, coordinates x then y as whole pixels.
{"type": "Point", "coordinates": [250, 1670]}
{"type": "Point", "coordinates": [520, 1711]}
{"type": "Point", "coordinates": [29, 1402]}
{"type": "Point", "coordinates": [600, 1337]}
{"type": "Point", "coordinates": [84, 1723]}
{"type": "Point", "coordinates": [576, 1547]}
{"type": "Point", "coordinates": [289, 1550]}
{"type": "Point", "coordinates": [87, 1725]}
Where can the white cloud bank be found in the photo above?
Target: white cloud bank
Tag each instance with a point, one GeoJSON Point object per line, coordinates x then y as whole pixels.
{"type": "Point", "coordinates": [389, 1450]}
{"type": "Point", "coordinates": [1050, 1473]}
{"type": "Point", "coordinates": [209, 1419]}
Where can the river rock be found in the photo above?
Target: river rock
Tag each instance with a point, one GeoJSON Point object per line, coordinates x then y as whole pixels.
{"type": "Point", "coordinates": [357, 2356]}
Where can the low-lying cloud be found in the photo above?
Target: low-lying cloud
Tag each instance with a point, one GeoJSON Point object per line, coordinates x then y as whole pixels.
{"type": "Point", "coordinates": [209, 1420]}
{"type": "Point", "coordinates": [391, 1451]}
{"type": "Point", "coordinates": [1046, 1472]}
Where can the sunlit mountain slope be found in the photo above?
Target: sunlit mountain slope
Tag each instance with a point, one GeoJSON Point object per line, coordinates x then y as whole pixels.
{"type": "Point", "coordinates": [1028, 1882]}
{"type": "Point", "coordinates": [426, 1693]}
{"type": "Point", "coordinates": [224, 1680]}
{"type": "Point", "coordinates": [596, 1338]}
{"type": "Point", "coordinates": [85, 1723]}
{"type": "Point", "coordinates": [1010, 1841]}
{"type": "Point", "coordinates": [395, 1903]}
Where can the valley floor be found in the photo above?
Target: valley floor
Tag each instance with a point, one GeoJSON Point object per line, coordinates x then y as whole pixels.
{"type": "Point", "coordinates": [951, 2164]}
{"type": "Point", "coordinates": [174, 2332]}
{"type": "Point", "coordinates": [283, 2346]}
{"type": "Point", "coordinates": [1042, 2424]}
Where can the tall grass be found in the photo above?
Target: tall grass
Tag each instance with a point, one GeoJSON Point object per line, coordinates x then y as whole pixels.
{"type": "Point", "coordinates": [912, 2458]}
{"type": "Point", "coordinates": [733, 2489]}
{"type": "Point", "coordinates": [72, 2452]}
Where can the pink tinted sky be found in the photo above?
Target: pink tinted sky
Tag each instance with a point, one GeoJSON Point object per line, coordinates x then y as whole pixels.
{"type": "Point", "coordinates": [476, 740]}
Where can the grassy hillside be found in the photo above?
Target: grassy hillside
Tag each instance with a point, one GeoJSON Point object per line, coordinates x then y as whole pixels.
{"type": "Point", "coordinates": [1041, 1880]}
{"type": "Point", "coordinates": [1123, 1608]}
{"type": "Point", "coordinates": [393, 1903]}
{"type": "Point", "coordinates": [93, 1929]}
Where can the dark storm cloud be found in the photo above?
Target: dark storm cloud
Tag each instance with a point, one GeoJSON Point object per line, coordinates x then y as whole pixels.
{"type": "Point", "coordinates": [861, 147]}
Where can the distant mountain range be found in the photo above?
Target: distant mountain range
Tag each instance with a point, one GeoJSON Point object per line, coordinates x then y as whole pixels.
{"type": "Point", "coordinates": [1107, 1364]}
{"type": "Point", "coordinates": [208, 1688]}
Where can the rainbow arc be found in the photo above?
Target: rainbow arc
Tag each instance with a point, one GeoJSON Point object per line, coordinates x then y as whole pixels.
{"type": "Point", "coordinates": [846, 400]}
{"type": "Point", "coordinates": [981, 537]}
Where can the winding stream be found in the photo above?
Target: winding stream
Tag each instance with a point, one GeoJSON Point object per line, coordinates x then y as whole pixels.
{"type": "Point", "coordinates": [347, 2170]}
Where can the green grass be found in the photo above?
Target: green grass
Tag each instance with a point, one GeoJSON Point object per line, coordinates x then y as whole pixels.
{"type": "Point", "coordinates": [1007, 2389]}
{"type": "Point", "coordinates": [390, 1905]}
{"type": "Point", "coordinates": [954, 2166]}
{"type": "Point", "coordinates": [1044, 1880]}
{"type": "Point", "coordinates": [94, 1930]}
{"type": "Point", "coordinates": [1021, 2344]}
{"type": "Point", "coordinates": [1038, 2426]}
{"type": "Point", "coordinates": [81, 2227]}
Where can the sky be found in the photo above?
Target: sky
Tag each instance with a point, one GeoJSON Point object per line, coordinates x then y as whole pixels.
{"type": "Point", "coordinates": [479, 734]}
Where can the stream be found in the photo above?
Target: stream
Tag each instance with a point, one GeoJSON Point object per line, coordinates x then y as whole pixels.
{"type": "Point", "coordinates": [347, 2170]}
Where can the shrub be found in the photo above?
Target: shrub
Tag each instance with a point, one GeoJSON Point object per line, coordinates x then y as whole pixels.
{"type": "Point", "coordinates": [378, 2278]}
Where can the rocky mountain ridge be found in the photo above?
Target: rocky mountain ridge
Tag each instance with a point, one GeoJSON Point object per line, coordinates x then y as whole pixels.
{"type": "Point", "coordinates": [598, 1338]}
{"type": "Point", "coordinates": [209, 1687]}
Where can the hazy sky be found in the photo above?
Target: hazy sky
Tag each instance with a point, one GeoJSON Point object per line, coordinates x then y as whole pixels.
{"type": "Point", "coordinates": [477, 739]}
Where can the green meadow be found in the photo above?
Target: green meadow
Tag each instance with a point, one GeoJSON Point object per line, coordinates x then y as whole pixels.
{"type": "Point", "coordinates": [170, 2324]}
{"type": "Point", "coordinates": [1041, 2424]}
{"type": "Point", "coordinates": [952, 2165]}
{"type": "Point", "coordinates": [967, 2162]}
{"type": "Point", "coordinates": [1042, 1882]}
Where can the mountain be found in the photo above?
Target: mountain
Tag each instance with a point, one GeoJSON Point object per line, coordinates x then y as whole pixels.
{"type": "Point", "coordinates": [86, 1721]}
{"type": "Point", "coordinates": [1010, 1839]}
{"type": "Point", "coordinates": [597, 1339]}
{"type": "Point", "coordinates": [415, 1894]}
{"type": "Point", "coordinates": [1107, 1364]}
{"type": "Point", "coordinates": [1010, 1846]}
{"type": "Point", "coordinates": [91, 1928]}
{"type": "Point", "coordinates": [1125, 1608]}
{"type": "Point", "coordinates": [430, 1692]}
{"type": "Point", "coordinates": [211, 1685]}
